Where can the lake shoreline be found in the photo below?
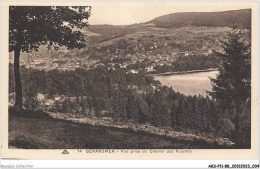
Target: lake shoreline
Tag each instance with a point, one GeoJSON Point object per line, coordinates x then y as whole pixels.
{"type": "Point", "coordinates": [184, 72]}
{"type": "Point", "coordinates": [195, 82]}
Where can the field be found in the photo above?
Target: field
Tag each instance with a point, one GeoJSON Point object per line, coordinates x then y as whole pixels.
{"type": "Point", "coordinates": [37, 130]}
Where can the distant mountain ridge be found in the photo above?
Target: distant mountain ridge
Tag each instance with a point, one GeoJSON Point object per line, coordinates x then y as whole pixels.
{"type": "Point", "coordinates": [173, 33]}
{"type": "Point", "coordinates": [241, 18]}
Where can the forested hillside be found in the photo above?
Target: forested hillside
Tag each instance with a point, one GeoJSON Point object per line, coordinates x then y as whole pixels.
{"type": "Point", "coordinates": [241, 18]}
{"type": "Point", "coordinates": [135, 98]}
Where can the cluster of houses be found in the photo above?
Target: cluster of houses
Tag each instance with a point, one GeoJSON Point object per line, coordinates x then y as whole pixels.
{"type": "Point", "coordinates": [47, 104]}
{"type": "Point", "coordinates": [61, 63]}
{"type": "Point", "coordinates": [45, 101]}
{"type": "Point", "coordinates": [70, 63]}
{"type": "Point", "coordinates": [56, 99]}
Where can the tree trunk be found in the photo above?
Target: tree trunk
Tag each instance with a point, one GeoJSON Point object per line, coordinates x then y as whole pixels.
{"type": "Point", "coordinates": [18, 82]}
{"type": "Point", "coordinates": [237, 122]}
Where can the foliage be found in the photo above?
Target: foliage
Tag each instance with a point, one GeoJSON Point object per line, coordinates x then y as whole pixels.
{"type": "Point", "coordinates": [47, 25]}
{"type": "Point", "coordinates": [124, 98]}
{"type": "Point", "coordinates": [211, 19]}
{"type": "Point", "coordinates": [188, 63]}
{"type": "Point", "coordinates": [234, 79]}
{"type": "Point", "coordinates": [54, 26]}
{"type": "Point", "coordinates": [232, 86]}
{"type": "Point", "coordinates": [31, 101]}
{"type": "Point", "coordinates": [114, 94]}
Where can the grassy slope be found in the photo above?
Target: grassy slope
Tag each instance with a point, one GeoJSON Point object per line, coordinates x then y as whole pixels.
{"type": "Point", "coordinates": [33, 130]}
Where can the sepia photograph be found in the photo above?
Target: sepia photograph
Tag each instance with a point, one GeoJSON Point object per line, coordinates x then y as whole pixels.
{"type": "Point", "coordinates": [117, 76]}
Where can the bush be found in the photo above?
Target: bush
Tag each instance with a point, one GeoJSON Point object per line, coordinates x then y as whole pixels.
{"type": "Point", "coordinates": [226, 127]}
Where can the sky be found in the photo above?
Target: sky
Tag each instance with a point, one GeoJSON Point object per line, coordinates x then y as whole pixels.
{"type": "Point", "coordinates": [125, 13]}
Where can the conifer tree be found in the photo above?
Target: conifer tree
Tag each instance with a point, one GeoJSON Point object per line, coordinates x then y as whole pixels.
{"type": "Point", "coordinates": [180, 111]}
{"type": "Point", "coordinates": [131, 108]}
{"type": "Point", "coordinates": [232, 86]}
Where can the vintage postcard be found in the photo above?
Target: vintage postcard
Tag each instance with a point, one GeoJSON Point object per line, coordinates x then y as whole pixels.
{"type": "Point", "coordinates": [129, 80]}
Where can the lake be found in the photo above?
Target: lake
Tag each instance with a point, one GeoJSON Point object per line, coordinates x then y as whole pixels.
{"type": "Point", "coordinates": [190, 83]}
